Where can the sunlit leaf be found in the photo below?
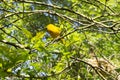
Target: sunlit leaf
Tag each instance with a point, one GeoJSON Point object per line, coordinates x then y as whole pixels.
{"type": "Point", "coordinates": [27, 33]}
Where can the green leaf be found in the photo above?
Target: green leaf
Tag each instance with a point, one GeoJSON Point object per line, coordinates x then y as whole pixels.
{"type": "Point", "coordinates": [27, 33]}
{"type": "Point", "coordinates": [1, 38]}
{"type": "Point", "coordinates": [118, 70]}
{"type": "Point", "coordinates": [39, 35]}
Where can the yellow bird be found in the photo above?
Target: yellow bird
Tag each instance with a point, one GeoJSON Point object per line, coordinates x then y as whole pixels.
{"type": "Point", "coordinates": [54, 31]}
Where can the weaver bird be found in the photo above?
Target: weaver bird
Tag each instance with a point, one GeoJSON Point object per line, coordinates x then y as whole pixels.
{"type": "Point", "coordinates": [54, 31]}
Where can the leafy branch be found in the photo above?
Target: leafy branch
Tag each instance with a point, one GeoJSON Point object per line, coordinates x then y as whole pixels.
{"type": "Point", "coordinates": [81, 28]}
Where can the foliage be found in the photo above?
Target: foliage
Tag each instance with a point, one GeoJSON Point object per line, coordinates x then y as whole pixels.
{"type": "Point", "coordinates": [90, 28]}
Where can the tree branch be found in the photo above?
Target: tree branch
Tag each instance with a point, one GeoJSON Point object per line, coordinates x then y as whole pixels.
{"type": "Point", "coordinates": [56, 7]}
{"type": "Point", "coordinates": [15, 45]}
